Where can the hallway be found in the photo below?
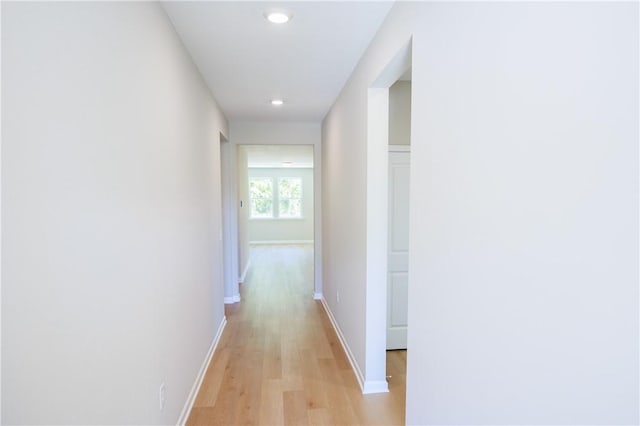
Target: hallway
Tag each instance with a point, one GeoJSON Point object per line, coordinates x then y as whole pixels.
{"type": "Point", "coordinates": [279, 360]}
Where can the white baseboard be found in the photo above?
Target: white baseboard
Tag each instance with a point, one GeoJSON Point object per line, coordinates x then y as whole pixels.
{"type": "Point", "coordinates": [244, 273]}
{"type": "Point", "coordinates": [366, 386]}
{"type": "Point", "coordinates": [317, 296]}
{"type": "Point", "coordinates": [375, 386]}
{"type": "Point", "coordinates": [231, 300]}
{"type": "Point", "coordinates": [276, 242]}
{"type": "Point", "coordinates": [188, 405]}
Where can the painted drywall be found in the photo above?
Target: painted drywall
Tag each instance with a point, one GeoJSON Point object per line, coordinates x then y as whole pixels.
{"type": "Point", "coordinates": [229, 223]}
{"type": "Point", "coordinates": [287, 133]}
{"type": "Point", "coordinates": [0, 231]}
{"type": "Point", "coordinates": [111, 266]}
{"type": "Point", "coordinates": [523, 282]}
{"type": "Point", "coordinates": [261, 230]}
{"type": "Point", "coordinates": [275, 133]}
{"type": "Point", "coordinates": [244, 250]}
{"type": "Point", "coordinates": [400, 113]}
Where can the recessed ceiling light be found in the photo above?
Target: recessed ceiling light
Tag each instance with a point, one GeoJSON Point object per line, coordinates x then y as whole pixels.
{"type": "Point", "coordinates": [277, 17]}
{"type": "Point", "coordinates": [277, 102]}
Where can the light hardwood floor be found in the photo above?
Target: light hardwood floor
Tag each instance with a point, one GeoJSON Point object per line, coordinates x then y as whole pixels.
{"type": "Point", "coordinates": [279, 360]}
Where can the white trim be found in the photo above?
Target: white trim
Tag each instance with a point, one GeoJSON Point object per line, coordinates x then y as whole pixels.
{"type": "Point", "coordinates": [317, 296]}
{"type": "Point", "coordinates": [244, 274]}
{"type": "Point", "coordinates": [231, 300]}
{"type": "Point", "coordinates": [375, 386]}
{"type": "Point", "coordinates": [399, 148]}
{"type": "Point", "coordinates": [366, 386]}
{"type": "Point", "coordinates": [345, 346]}
{"type": "Point", "coordinates": [277, 219]}
{"type": "Point", "coordinates": [188, 405]}
{"type": "Point", "coordinates": [275, 242]}
{"type": "Point", "coordinates": [280, 167]}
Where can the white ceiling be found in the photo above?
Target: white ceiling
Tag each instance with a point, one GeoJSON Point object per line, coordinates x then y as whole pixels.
{"type": "Point", "coordinates": [273, 156]}
{"type": "Point", "coordinates": [247, 61]}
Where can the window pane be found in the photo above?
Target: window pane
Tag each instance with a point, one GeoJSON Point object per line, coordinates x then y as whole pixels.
{"type": "Point", "coordinates": [261, 196]}
{"type": "Point", "coordinates": [283, 208]}
{"type": "Point", "coordinates": [290, 208]}
{"type": "Point", "coordinates": [261, 207]}
{"type": "Point", "coordinates": [261, 188]}
{"type": "Point", "coordinates": [290, 187]}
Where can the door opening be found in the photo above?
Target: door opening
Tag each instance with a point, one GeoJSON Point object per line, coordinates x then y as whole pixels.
{"type": "Point", "coordinates": [387, 227]}
{"type": "Point", "coordinates": [275, 192]}
{"type": "Point", "coordinates": [398, 219]}
{"type": "Point", "coordinates": [398, 246]}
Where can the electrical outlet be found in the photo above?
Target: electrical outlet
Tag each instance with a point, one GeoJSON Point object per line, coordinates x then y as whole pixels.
{"type": "Point", "coordinates": [338, 296]}
{"type": "Point", "coordinates": [162, 395]}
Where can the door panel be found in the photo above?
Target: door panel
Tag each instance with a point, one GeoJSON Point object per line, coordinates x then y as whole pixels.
{"type": "Point", "coordinates": [398, 295]}
{"type": "Point", "coordinates": [398, 250]}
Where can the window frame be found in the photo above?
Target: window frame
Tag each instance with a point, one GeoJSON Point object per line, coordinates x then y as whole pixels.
{"type": "Point", "coordinates": [251, 198]}
{"type": "Point", "coordinates": [279, 198]}
{"type": "Point", "coordinates": [275, 198]}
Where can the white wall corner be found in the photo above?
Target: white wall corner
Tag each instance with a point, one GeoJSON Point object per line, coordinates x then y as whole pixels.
{"type": "Point", "coordinates": [376, 237]}
{"type": "Point", "coordinates": [244, 275]}
{"type": "Point", "coordinates": [317, 216]}
{"type": "Point", "coordinates": [188, 405]}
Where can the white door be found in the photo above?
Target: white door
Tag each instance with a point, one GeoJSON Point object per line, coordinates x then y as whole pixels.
{"type": "Point", "coordinates": [398, 250]}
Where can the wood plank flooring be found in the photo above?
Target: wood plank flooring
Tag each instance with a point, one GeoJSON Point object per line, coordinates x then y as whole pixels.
{"type": "Point", "coordinates": [279, 361]}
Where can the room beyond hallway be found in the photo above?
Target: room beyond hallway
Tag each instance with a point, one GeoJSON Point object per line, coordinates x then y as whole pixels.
{"type": "Point", "coordinates": [279, 360]}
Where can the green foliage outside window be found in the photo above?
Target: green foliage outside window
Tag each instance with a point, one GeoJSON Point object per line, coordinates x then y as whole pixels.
{"type": "Point", "coordinates": [290, 197]}
{"type": "Point", "coordinates": [261, 194]}
{"type": "Point", "coordinates": [287, 197]}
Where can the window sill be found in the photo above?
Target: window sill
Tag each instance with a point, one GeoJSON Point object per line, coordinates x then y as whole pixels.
{"type": "Point", "coordinates": [259, 219]}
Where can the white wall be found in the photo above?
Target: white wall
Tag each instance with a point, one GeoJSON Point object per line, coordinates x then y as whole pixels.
{"type": "Point", "coordinates": [289, 133]}
{"type": "Point", "coordinates": [274, 133]}
{"type": "Point", "coordinates": [111, 266]}
{"type": "Point", "coordinates": [230, 223]}
{"type": "Point", "coordinates": [523, 285]}
{"type": "Point", "coordinates": [278, 229]}
{"type": "Point", "coordinates": [244, 250]}
{"type": "Point", "coordinates": [400, 113]}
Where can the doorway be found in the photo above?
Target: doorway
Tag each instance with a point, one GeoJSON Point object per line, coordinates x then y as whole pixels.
{"type": "Point", "coordinates": [379, 313]}
{"type": "Point", "coordinates": [275, 195]}
{"type": "Point", "coordinates": [398, 246]}
{"type": "Point", "coordinates": [398, 218]}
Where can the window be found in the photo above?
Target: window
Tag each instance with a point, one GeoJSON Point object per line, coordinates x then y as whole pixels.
{"type": "Point", "coordinates": [290, 197]}
{"type": "Point", "coordinates": [275, 198]}
{"type": "Point", "coordinates": [261, 195]}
